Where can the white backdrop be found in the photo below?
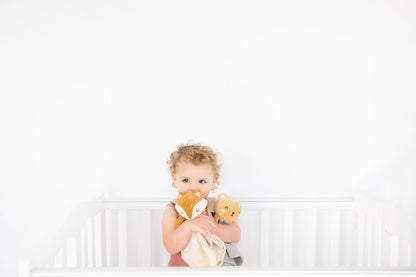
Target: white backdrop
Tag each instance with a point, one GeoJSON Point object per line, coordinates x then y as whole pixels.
{"type": "Point", "coordinates": [302, 98]}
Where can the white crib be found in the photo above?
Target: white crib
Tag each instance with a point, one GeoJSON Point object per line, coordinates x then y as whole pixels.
{"type": "Point", "coordinates": [295, 237]}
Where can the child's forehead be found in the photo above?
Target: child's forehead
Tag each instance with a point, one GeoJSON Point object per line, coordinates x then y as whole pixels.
{"type": "Point", "coordinates": [191, 170]}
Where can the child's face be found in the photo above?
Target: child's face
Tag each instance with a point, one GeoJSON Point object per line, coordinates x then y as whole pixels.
{"type": "Point", "coordinates": [190, 177]}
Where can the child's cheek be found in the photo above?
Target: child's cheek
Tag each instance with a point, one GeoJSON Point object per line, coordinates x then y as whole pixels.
{"type": "Point", "coordinates": [182, 189]}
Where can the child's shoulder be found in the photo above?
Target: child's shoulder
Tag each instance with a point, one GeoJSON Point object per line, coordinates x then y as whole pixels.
{"type": "Point", "coordinates": [170, 205]}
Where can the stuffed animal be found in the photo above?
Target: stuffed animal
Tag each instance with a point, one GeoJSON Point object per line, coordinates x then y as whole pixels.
{"type": "Point", "coordinates": [189, 205]}
{"type": "Point", "coordinates": [227, 208]}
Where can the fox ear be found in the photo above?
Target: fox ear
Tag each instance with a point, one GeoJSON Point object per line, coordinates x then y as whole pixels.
{"type": "Point", "coordinates": [198, 193]}
{"type": "Point", "coordinates": [180, 195]}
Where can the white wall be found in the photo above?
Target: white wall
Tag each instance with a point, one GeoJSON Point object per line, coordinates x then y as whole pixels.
{"type": "Point", "coordinates": [302, 98]}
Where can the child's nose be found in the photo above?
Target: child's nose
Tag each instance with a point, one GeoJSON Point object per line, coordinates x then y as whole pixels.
{"type": "Point", "coordinates": [193, 186]}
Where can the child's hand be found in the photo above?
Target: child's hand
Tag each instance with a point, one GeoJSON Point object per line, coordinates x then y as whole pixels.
{"type": "Point", "coordinates": [204, 224]}
{"type": "Point", "coordinates": [212, 220]}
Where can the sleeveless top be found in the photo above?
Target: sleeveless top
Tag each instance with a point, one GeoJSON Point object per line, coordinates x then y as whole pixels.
{"type": "Point", "coordinates": [176, 259]}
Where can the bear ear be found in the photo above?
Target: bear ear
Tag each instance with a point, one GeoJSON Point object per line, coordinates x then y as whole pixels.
{"type": "Point", "coordinates": [198, 193]}
{"type": "Point", "coordinates": [222, 195]}
{"type": "Point", "coordinates": [180, 195]}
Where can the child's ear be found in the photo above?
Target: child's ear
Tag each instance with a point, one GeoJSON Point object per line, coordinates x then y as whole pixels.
{"type": "Point", "coordinates": [173, 177]}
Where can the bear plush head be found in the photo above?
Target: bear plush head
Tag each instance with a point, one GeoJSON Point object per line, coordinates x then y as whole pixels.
{"type": "Point", "coordinates": [228, 208]}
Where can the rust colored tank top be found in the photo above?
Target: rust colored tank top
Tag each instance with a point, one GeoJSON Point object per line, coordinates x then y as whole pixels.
{"type": "Point", "coordinates": [176, 259]}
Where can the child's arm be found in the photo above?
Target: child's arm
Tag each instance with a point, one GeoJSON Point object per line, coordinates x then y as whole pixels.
{"type": "Point", "coordinates": [175, 240]}
{"type": "Point", "coordinates": [227, 232]}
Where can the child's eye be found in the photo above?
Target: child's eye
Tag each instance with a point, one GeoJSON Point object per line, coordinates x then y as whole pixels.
{"type": "Point", "coordinates": [185, 180]}
{"type": "Point", "coordinates": [202, 181]}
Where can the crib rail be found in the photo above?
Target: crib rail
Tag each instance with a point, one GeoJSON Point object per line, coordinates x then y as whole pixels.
{"type": "Point", "coordinates": [225, 272]}
{"type": "Point", "coordinates": [116, 235]}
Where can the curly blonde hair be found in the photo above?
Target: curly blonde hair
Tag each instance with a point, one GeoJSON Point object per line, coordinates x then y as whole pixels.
{"type": "Point", "coordinates": [195, 153]}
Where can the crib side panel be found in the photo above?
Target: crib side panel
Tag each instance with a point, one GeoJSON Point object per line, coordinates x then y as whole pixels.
{"type": "Point", "coordinates": [298, 233]}
{"type": "Point", "coordinates": [274, 233]}
{"type": "Point", "coordinates": [136, 235]}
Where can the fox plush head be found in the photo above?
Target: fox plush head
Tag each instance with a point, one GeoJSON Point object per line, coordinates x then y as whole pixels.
{"type": "Point", "coordinates": [189, 205]}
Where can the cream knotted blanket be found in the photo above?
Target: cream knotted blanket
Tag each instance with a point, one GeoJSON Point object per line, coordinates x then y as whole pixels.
{"type": "Point", "coordinates": [204, 251]}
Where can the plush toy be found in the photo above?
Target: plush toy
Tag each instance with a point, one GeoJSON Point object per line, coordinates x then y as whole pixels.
{"type": "Point", "coordinates": [227, 208]}
{"type": "Point", "coordinates": [200, 250]}
{"type": "Point", "coordinates": [189, 205]}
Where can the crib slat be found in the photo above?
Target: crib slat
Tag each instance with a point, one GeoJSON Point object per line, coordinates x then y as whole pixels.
{"type": "Point", "coordinates": [288, 237]}
{"type": "Point", "coordinates": [108, 246]}
{"type": "Point", "coordinates": [59, 259]}
{"type": "Point", "coordinates": [346, 238]}
{"type": "Point", "coordinates": [90, 242]}
{"type": "Point", "coordinates": [409, 255]}
{"type": "Point", "coordinates": [387, 249]}
{"type": "Point", "coordinates": [264, 237]}
{"type": "Point", "coordinates": [334, 239]}
{"type": "Point", "coordinates": [311, 239]}
{"type": "Point", "coordinates": [165, 258]}
{"type": "Point", "coordinates": [71, 252]}
{"type": "Point", "coordinates": [378, 240]}
{"type": "Point", "coordinates": [122, 238]}
{"type": "Point", "coordinates": [360, 239]}
{"type": "Point", "coordinates": [24, 269]}
{"type": "Point", "coordinates": [98, 240]}
{"type": "Point", "coordinates": [242, 222]}
{"type": "Point", "coordinates": [147, 238]}
{"type": "Point", "coordinates": [394, 256]}
{"type": "Point", "coordinates": [367, 240]}
{"type": "Point", "coordinates": [406, 254]}
{"type": "Point", "coordinates": [83, 248]}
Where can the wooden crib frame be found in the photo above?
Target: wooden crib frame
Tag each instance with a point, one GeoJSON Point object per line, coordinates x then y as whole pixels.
{"type": "Point", "coordinates": [291, 237]}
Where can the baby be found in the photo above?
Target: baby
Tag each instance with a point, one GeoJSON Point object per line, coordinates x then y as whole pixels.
{"type": "Point", "coordinates": [193, 167]}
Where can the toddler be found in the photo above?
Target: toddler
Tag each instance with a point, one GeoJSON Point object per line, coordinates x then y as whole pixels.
{"type": "Point", "coordinates": [193, 167]}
